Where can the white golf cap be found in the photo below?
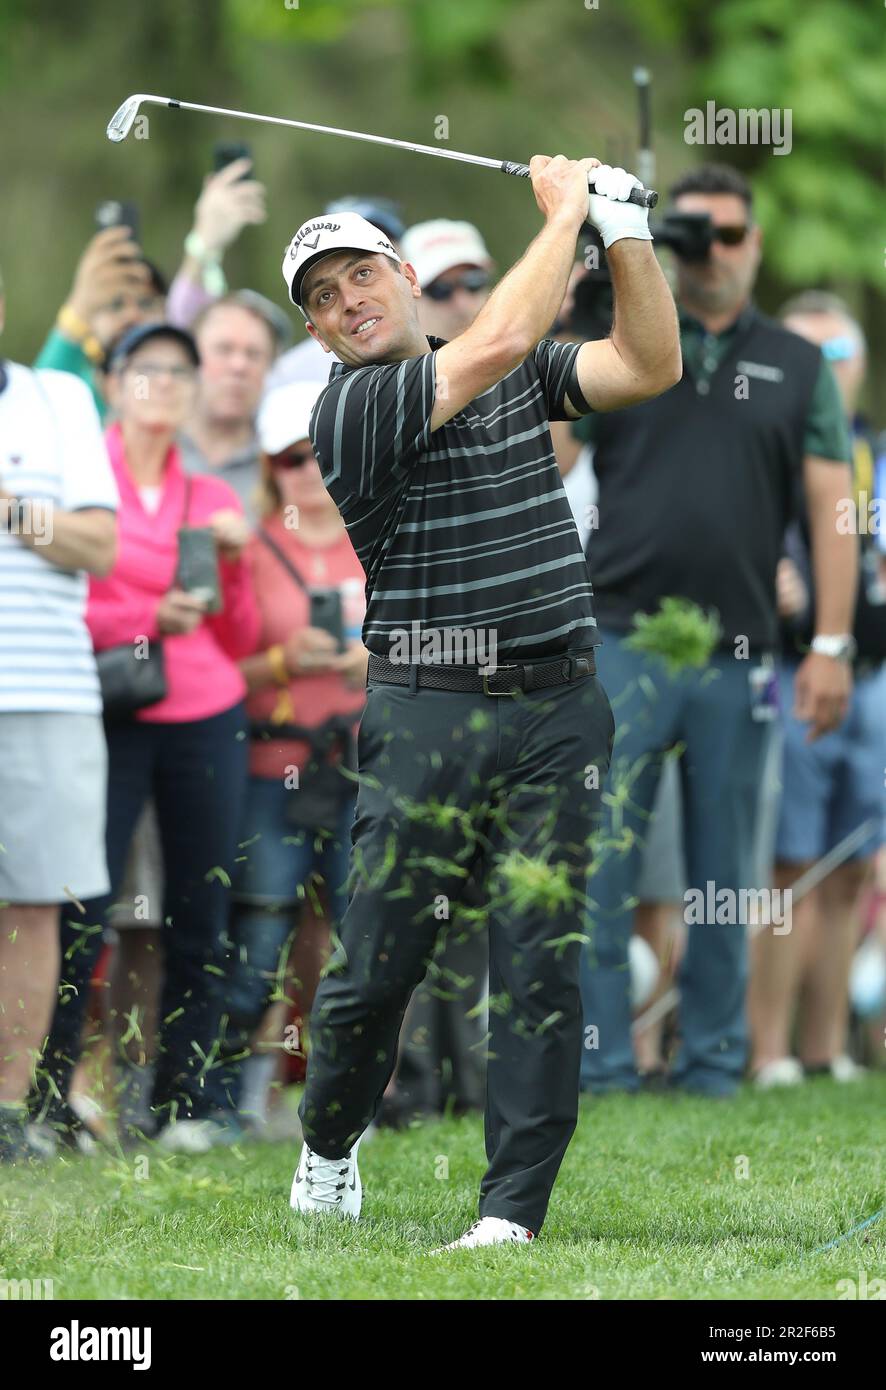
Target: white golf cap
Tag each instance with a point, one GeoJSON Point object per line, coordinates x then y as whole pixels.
{"type": "Point", "coordinates": [322, 236]}
{"type": "Point", "coordinates": [433, 247]}
{"type": "Point", "coordinates": [285, 413]}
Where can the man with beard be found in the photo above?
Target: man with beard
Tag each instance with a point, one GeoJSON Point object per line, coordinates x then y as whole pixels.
{"type": "Point", "coordinates": [695, 490]}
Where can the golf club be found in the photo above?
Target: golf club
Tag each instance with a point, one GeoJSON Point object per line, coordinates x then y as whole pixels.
{"type": "Point", "coordinates": [122, 122]}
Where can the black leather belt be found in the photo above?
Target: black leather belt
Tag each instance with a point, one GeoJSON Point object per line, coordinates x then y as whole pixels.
{"type": "Point", "coordinates": [503, 680]}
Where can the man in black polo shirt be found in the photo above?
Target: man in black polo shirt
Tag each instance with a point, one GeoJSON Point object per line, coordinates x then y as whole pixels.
{"type": "Point", "coordinates": [486, 733]}
{"type": "Point", "coordinates": [695, 490]}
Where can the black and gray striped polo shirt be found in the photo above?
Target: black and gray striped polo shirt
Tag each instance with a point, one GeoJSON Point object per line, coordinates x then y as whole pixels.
{"type": "Point", "coordinates": [467, 527]}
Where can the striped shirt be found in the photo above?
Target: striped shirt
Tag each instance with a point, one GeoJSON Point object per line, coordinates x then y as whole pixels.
{"type": "Point", "coordinates": [52, 455]}
{"type": "Point", "coordinates": [466, 528]}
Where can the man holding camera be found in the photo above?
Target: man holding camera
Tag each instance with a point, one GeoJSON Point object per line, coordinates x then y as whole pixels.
{"type": "Point", "coordinates": [695, 490]}
{"type": "Point", "coordinates": [439, 458]}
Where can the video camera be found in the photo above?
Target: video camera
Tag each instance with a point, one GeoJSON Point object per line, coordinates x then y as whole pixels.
{"type": "Point", "coordinates": [688, 234]}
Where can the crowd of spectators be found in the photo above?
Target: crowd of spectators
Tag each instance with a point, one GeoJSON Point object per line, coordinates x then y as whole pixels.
{"type": "Point", "coordinates": [182, 676]}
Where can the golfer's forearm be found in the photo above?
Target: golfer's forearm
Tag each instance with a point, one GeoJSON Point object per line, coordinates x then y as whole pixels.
{"type": "Point", "coordinates": [525, 303]}
{"type": "Point", "coordinates": [645, 331]}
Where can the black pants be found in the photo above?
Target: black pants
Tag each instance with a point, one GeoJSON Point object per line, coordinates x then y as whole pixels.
{"type": "Point", "coordinates": [441, 1061]}
{"type": "Point", "coordinates": [511, 786]}
{"type": "Point", "coordinates": [196, 773]}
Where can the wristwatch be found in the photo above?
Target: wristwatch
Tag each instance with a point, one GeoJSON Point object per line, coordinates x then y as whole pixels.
{"type": "Point", "coordinates": [841, 648]}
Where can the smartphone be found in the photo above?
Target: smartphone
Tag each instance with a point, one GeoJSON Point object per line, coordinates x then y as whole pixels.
{"type": "Point", "coordinates": [112, 213]}
{"type": "Point", "coordinates": [225, 152]}
{"type": "Point", "coordinates": [197, 569]}
{"type": "Point", "coordinates": [326, 613]}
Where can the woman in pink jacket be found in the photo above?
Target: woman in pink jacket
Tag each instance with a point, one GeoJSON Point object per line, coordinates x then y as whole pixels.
{"type": "Point", "coordinates": [187, 750]}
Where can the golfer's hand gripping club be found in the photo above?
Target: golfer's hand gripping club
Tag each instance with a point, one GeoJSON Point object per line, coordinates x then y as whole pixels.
{"type": "Point", "coordinates": [640, 196]}
{"type": "Point", "coordinates": [561, 183]}
{"type": "Point", "coordinates": [612, 209]}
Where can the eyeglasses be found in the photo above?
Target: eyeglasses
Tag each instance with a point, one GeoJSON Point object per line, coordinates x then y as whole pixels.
{"type": "Point", "coordinates": [157, 369]}
{"type": "Point", "coordinates": [472, 280]}
{"type": "Point", "coordinates": [291, 458]}
{"type": "Point", "coordinates": [730, 236]}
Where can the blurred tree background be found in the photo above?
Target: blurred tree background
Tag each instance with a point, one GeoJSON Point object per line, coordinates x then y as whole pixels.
{"type": "Point", "coordinates": [512, 78]}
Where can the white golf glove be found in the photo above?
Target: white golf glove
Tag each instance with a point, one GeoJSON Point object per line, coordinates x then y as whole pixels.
{"type": "Point", "coordinates": [611, 215]}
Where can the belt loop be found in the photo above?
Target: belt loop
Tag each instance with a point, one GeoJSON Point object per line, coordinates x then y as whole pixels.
{"type": "Point", "coordinates": [413, 678]}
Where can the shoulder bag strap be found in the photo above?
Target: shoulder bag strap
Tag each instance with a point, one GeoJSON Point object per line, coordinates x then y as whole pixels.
{"type": "Point", "coordinates": [284, 559]}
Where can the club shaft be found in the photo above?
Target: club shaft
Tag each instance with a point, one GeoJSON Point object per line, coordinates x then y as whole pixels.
{"type": "Point", "coordinates": [325, 130]}
{"type": "Point", "coordinates": [646, 197]}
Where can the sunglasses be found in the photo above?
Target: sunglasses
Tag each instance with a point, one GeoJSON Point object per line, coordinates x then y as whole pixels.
{"type": "Point", "coordinates": [472, 280]}
{"type": "Point", "coordinates": [291, 458]}
{"type": "Point", "coordinates": [730, 236]}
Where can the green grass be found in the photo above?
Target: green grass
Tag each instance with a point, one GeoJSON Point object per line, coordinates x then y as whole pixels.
{"type": "Point", "coordinates": [647, 1206]}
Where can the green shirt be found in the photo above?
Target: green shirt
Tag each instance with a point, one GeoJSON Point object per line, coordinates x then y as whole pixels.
{"type": "Point", "coordinates": [827, 433]}
{"type": "Point", "coordinates": [61, 355]}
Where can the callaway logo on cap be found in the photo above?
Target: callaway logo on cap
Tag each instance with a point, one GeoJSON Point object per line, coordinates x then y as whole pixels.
{"type": "Point", "coordinates": [318, 238]}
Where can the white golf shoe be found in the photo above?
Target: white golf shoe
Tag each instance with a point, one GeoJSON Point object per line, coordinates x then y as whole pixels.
{"type": "Point", "coordinates": [489, 1230]}
{"type": "Point", "coordinates": [330, 1186]}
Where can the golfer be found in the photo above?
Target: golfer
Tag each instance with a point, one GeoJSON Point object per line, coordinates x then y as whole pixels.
{"type": "Point", "coordinates": [486, 734]}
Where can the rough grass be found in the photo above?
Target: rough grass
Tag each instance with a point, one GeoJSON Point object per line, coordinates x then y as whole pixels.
{"type": "Point", "coordinates": [648, 1206]}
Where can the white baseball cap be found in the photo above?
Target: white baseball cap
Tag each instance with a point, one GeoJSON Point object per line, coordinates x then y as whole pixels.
{"type": "Point", "coordinates": [324, 235]}
{"type": "Point", "coordinates": [285, 413]}
{"type": "Point", "coordinates": [433, 247]}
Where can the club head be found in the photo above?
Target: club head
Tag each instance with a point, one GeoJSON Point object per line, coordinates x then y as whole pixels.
{"type": "Point", "coordinates": [122, 120]}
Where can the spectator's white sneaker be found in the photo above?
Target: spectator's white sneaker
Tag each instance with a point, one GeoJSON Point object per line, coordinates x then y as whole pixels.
{"type": "Point", "coordinates": [199, 1136]}
{"type": "Point", "coordinates": [489, 1230]}
{"type": "Point", "coordinates": [784, 1071]}
{"type": "Point", "coordinates": [48, 1143]}
{"type": "Point", "coordinates": [844, 1069]}
{"type": "Point", "coordinates": [330, 1186]}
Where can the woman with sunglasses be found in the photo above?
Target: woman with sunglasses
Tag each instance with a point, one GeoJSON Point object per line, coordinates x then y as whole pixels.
{"type": "Point", "coordinates": [185, 749]}
{"type": "Point", "coordinates": [302, 561]}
